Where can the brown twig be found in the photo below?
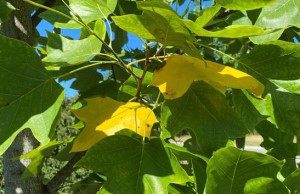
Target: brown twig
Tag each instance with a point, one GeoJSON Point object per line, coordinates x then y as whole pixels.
{"type": "Point", "coordinates": [64, 173]}
{"type": "Point", "coordinates": [141, 78]}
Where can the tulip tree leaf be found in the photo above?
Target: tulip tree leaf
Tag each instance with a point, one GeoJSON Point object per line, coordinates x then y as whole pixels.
{"type": "Point", "coordinates": [134, 167]}
{"type": "Point", "coordinates": [63, 51]}
{"type": "Point", "coordinates": [104, 117]}
{"type": "Point", "coordinates": [265, 185]}
{"type": "Point", "coordinates": [215, 124]}
{"type": "Point", "coordinates": [244, 5]}
{"type": "Point", "coordinates": [285, 105]}
{"type": "Point", "coordinates": [233, 31]}
{"type": "Point", "coordinates": [207, 15]}
{"type": "Point", "coordinates": [229, 169]}
{"type": "Point", "coordinates": [158, 23]}
{"type": "Point", "coordinates": [178, 73]}
{"type": "Point", "coordinates": [293, 181]}
{"type": "Point", "coordinates": [275, 16]}
{"type": "Point", "coordinates": [90, 10]}
{"type": "Point", "coordinates": [5, 9]}
{"type": "Point", "coordinates": [30, 97]}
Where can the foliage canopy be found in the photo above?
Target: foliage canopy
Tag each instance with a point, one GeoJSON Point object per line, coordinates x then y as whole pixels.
{"type": "Point", "coordinates": [219, 72]}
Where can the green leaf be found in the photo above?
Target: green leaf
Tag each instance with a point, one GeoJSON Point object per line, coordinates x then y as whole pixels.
{"type": "Point", "coordinates": [37, 157]}
{"type": "Point", "coordinates": [259, 63]}
{"type": "Point", "coordinates": [283, 107]}
{"type": "Point", "coordinates": [293, 182]}
{"type": "Point", "coordinates": [63, 51]}
{"type": "Point", "coordinates": [275, 16]}
{"type": "Point", "coordinates": [215, 121]}
{"type": "Point", "coordinates": [5, 9]}
{"type": "Point", "coordinates": [244, 5]}
{"type": "Point", "coordinates": [207, 15]}
{"type": "Point", "coordinates": [267, 37]}
{"type": "Point", "coordinates": [29, 96]}
{"type": "Point", "coordinates": [90, 10]}
{"type": "Point", "coordinates": [158, 23]}
{"type": "Point", "coordinates": [229, 169]}
{"type": "Point", "coordinates": [134, 167]}
{"type": "Point", "coordinates": [245, 109]}
{"type": "Point", "coordinates": [233, 31]}
{"type": "Point", "coordinates": [265, 185]}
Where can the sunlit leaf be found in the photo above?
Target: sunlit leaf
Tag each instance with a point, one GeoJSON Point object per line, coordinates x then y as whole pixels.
{"type": "Point", "coordinates": [229, 169]}
{"type": "Point", "coordinates": [207, 15]}
{"type": "Point", "coordinates": [90, 10]}
{"type": "Point", "coordinates": [134, 167]}
{"type": "Point", "coordinates": [275, 16]}
{"type": "Point", "coordinates": [105, 116]}
{"type": "Point", "coordinates": [158, 23]}
{"type": "Point", "coordinates": [233, 31]}
{"type": "Point", "coordinates": [29, 96]}
{"type": "Point", "coordinates": [244, 5]}
{"type": "Point", "coordinates": [63, 51]}
{"type": "Point", "coordinates": [178, 73]}
{"type": "Point", "coordinates": [265, 185]}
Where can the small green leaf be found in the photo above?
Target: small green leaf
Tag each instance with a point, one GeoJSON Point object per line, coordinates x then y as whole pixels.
{"type": "Point", "coordinates": [134, 167]}
{"type": "Point", "coordinates": [5, 9]}
{"type": "Point", "coordinates": [265, 185]}
{"type": "Point", "coordinates": [207, 15]}
{"type": "Point", "coordinates": [229, 169]}
{"type": "Point", "coordinates": [233, 31]}
{"type": "Point", "coordinates": [29, 96]}
{"type": "Point", "coordinates": [91, 10]}
{"type": "Point", "coordinates": [244, 5]}
{"type": "Point", "coordinates": [63, 51]}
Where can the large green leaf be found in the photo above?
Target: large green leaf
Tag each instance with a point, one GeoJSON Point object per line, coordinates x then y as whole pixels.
{"type": "Point", "coordinates": [244, 5]}
{"type": "Point", "coordinates": [5, 9]}
{"type": "Point", "coordinates": [134, 167]}
{"type": "Point", "coordinates": [229, 169]}
{"type": "Point", "coordinates": [63, 51]}
{"type": "Point", "coordinates": [281, 14]}
{"type": "Point", "coordinates": [274, 61]}
{"type": "Point", "coordinates": [214, 123]}
{"type": "Point", "coordinates": [293, 182]}
{"type": "Point", "coordinates": [265, 185]}
{"type": "Point", "coordinates": [158, 23]}
{"type": "Point", "coordinates": [29, 96]}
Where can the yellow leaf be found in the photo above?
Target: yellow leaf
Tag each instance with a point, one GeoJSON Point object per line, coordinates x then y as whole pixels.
{"type": "Point", "coordinates": [178, 73]}
{"type": "Point", "coordinates": [105, 116]}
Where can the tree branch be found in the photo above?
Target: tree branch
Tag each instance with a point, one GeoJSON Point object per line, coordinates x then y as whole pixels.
{"type": "Point", "coordinates": [64, 173]}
